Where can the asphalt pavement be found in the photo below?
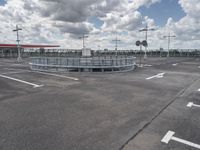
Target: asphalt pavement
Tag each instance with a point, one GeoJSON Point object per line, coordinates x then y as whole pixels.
{"type": "Point", "coordinates": [100, 111]}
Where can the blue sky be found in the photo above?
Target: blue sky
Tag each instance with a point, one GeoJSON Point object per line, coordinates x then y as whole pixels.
{"type": "Point", "coordinates": [97, 23]}
{"type": "Point", "coordinates": [160, 12]}
{"type": "Point", "coordinates": [2, 2]}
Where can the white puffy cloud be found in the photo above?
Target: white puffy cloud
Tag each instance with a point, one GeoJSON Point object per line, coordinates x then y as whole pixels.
{"type": "Point", "coordinates": [117, 22]}
{"type": "Point", "coordinates": [187, 29]}
{"type": "Point", "coordinates": [49, 21]}
{"type": "Point", "coordinates": [63, 21]}
{"type": "Point", "coordinates": [191, 7]}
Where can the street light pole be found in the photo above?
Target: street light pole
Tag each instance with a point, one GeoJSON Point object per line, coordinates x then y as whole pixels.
{"type": "Point", "coordinates": [99, 47]}
{"type": "Point", "coordinates": [19, 59]}
{"type": "Point", "coordinates": [116, 43]}
{"type": "Point", "coordinates": [146, 37]}
{"type": "Point", "coordinates": [83, 37]}
{"type": "Point", "coordinates": [169, 41]}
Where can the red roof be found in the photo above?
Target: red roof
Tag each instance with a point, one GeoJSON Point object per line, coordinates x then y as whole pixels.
{"type": "Point", "coordinates": [28, 46]}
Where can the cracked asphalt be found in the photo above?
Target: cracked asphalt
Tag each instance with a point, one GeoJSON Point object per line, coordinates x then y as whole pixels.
{"type": "Point", "coordinates": [100, 111]}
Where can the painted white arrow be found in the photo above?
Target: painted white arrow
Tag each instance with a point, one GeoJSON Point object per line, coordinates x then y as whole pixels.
{"type": "Point", "coordinates": [170, 136]}
{"type": "Point", "coordinates": [190, 104]}
{"type": "Point", "coordinates": [160, 75]}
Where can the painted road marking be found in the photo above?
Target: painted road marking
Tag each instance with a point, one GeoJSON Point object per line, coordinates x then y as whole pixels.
{"type": "Point", "coordinates": [25, 82]}
{"type": "Point", "coordinates": [143, 65]}
{"type": "Point", "coordinates": [198, 90]}
{"type": "Point", "coordinates": [147, 65]}
{"type": "Point", "coordinates": [190, 104]}
{"type": "Point", "coordinates": [160, 75]}
{"type": "Point", "coordinates": [45, 73]}
{"type": "Point", "coordinates": [16, 65]}
{"type": "Point", "coordinates": [174, 64]}
{"type": "Point", "coordinates": [56, 75]}
{"type": "Point", "coordinates": [139, 65]}
{"type": "Point", "coordinates": [16, 72]}
{"type": "Point", "coordinates": [170, 136]}
{"type": "Point", "coordinates": [9, 64]}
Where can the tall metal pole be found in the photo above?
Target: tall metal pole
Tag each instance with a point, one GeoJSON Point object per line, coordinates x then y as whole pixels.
{"type": "Point", "coordinates": [146, 37]}
{"type": "Point", "coordinates": [19, 59]}
{"type": "Point", "coordinates": [83, 37]}
{"type": "Point", "coordinates": [116, 43]}
{"type": "Point", "coordinates": [168, 44]}
{"type": "Point", "coordinates": [140, 55]}
{"type": "Point", "coordinates": [83, 41]}
{"type": "Point", "coordinates": [169, 41]}
{"type": "Point", "coordinates": [116, 46]}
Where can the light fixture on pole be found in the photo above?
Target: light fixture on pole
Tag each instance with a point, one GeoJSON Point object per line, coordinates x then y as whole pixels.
{"type": "Point", "coordinates": [99, 47]}
{"type": "Point", "coordinates": [169, 41]}
{"type": "Point", "coordinates": [83, 37]}
{"type": "Point", "coordinates": [146, 37]}
{"type": "Point", "coordinates": [116, 43]}
{"type": "Point", "coordinates": [19, 59]}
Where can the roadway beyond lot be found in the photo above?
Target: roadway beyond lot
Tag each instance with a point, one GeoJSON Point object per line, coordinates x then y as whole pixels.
{"type": "Point", "coordinates": [96, 111]}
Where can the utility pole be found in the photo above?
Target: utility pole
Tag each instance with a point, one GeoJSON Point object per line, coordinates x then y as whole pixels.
{"type": "Point", "coordinates": [83, 37]}
{"type": "Point", "coordinates": [146, 37]}
{"type": "Point", "coordinates": [19, 59]}
{"type": "Point", "coordinates": [169, 41]}
{"type": "Point", "coordinates": [116, 43]}
{"type": "Point", "coordinates": [99, 47]}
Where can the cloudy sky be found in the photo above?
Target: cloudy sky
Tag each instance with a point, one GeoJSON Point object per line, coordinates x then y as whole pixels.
{"type": "Point", "coordinates": [64, 21]}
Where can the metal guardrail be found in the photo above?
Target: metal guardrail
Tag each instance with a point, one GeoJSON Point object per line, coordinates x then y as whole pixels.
{"type": "Point", "coordinates": [46, 63]}
{"type": "Point", "coordinates": [12, 53]}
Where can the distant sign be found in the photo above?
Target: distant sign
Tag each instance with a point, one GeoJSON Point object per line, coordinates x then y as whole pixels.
{"type": "Point", "coordinates": [143, 43]}
{"type": "Point", "coordinates": [86, 52]}
{"type": "Point", "coordinates": [137, 43]}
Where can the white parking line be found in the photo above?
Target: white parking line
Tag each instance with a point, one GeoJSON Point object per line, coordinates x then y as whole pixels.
{"type": "Point", "coordinates": [160, 75]}
{"type": "Point", "coordinates": [16, 72]}
{"type": "Point", "coordinates": [9, 64]}
{"type": "Point", "coordinates": [56, 75]}
{"type": "Point", "coordinates": [143, 65]}
{"type": "Point", "coordinates": [147, 65]}
{"type": "Point", "coordinates": [169, 136]}
{"type": "Point", "coordinates": [174, 64]}
{"type": "Point", "coordinates": [45, 73]}
{"type": "Point", "coordinates": [25, 82]}
{"type": "Point", "coordinates": [190, 104]}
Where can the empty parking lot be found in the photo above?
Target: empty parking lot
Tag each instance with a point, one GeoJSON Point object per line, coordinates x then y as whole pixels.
{"type": "Point", "coordinates": [101, 111]}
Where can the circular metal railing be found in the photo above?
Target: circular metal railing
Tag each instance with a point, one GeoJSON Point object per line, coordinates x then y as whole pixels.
{"type": "Point", "coordinates": [112, 63]}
